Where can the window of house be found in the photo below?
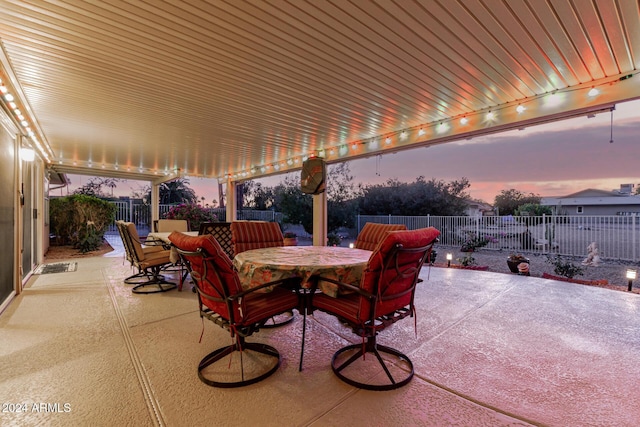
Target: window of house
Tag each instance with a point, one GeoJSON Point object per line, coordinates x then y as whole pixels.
{"type": "Point", "coordinates": [579, 209]}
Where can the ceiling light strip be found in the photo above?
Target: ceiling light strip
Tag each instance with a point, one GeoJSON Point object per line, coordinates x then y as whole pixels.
{"type": "Point", "coordinates": [15, 101]}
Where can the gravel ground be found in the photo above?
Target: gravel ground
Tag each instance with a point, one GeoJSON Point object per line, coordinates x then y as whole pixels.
{"type": "Point", "coordinates": [612, 271]}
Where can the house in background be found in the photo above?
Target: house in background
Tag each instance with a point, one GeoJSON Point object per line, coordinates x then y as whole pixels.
{"type": "Point", "coordinates": [478, 208]}
{"type": "Point", "coordinates": [596, 202]}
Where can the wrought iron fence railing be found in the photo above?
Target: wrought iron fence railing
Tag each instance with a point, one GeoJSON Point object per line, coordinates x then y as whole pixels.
{"type": "Point", "coordinates": [617, 237]}
{"type": "Point", "coordinates": [139, 213]}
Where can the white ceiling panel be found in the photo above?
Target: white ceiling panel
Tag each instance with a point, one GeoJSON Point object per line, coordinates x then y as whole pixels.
{"type": "Point", "coordinates": [247, 88]}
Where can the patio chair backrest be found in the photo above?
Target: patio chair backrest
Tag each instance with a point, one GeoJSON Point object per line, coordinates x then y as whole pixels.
{"type": "Point", "coordinates": [212, 271]}
{"type": "Point", "coordinates": [222, 233]}
{"type": "Point", "coordinates": [169, 225]}
{"type": "Point", "coordinates": [373, 233]}
{"type": "Point", "coordinates": [247, 235]}
{"type": "Point", "coordinates": [137, 252]}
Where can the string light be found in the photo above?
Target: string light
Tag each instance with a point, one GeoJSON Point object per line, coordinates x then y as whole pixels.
{"type": "Point", "coordinates": [441, 127]}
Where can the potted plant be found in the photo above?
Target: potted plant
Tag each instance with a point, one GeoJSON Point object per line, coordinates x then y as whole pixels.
{"type": "Point", "coordinates": [432, 257]}
{"type": "Point", "coordinates": [290, 239]}
{"type": "Point", "coordinates": [514, 260]}
{"type": "Point", "coordinates": [333, 239]}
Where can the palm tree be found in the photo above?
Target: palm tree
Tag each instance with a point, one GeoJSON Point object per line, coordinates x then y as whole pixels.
{"type": "Point", "coordinates": [177, 191]}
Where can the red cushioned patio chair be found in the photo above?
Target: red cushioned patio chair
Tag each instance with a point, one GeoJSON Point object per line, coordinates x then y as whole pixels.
{"type": "Point", "coordinates": [248, 235]}
{"type": "Point", "coordinates": [384, 296]}
{"type": "Point", "coordinates": [373, 233]}
{"type": "Point", "coordinates": [242, 312]}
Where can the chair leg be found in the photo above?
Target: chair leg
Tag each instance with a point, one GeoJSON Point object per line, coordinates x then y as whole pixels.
{"type": "Point", "coordinates": [140, 278]}
{"type": "Point", "coordinates": [154, 285]}
{"type": "Point", "coordinates": [288, 316]}
{"type": "Point", "coordinates": [242, 377]}
{"type": "Point", "coordinates": [405, 374]}
{"type": "Point", "coordinates": [304, 333]}
{"type": "Point", "coordinates": [182, 273]}
{"type": "Point", "coordinates": [304, 298]}
{"type": "Point", "coordinates": [279, 320]}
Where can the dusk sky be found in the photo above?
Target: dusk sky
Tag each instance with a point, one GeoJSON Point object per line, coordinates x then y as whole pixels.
{"type": "Point", "coordinates": [550, 160]}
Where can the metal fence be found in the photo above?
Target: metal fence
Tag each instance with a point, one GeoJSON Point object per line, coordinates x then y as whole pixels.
{"type": "Point", "coordinates": [617, 237]}
{"type": "Point", "coordinates": [137, 212]}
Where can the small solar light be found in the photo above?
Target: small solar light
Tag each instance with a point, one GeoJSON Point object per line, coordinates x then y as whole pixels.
{"type": "Point", "coordinates": [449, 258]}
{"type": "Point", "coordinates": [631, 275]}
{"type": "Point", "coordinates": [351, 245]}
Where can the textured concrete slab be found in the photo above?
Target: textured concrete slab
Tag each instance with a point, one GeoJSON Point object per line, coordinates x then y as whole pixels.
{"type": "Point", "coordinates": [552, 352]}
{"type": "Point", "coordinates": [488, 350]}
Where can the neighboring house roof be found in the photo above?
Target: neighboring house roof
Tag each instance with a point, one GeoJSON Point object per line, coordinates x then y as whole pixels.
{"type": "Point", "coordinates": [592, 197]}
{"type": "Point", "coordinates": [58, 179]}
{"type": "Point", "coordinates": [478, 204]}
{"type": "Point", "coordinates": [592, 192]}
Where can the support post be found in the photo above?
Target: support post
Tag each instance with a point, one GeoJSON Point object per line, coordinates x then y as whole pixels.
{"type": "Point", "coordinates": [155, 203]}
{"type": "Point", "coordinates": [231, 208]}
{"type": "Point", "coordinates": [320, 219]}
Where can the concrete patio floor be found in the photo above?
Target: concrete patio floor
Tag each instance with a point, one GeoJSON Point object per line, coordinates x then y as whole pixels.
{"type": "Point", "coordinates": [491, 350]}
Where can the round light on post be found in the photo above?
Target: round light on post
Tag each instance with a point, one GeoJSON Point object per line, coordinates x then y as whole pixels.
{"type": "Point", "coordinates": [631, 276]}
{"type": "Point", "coordinates": [449, 258]}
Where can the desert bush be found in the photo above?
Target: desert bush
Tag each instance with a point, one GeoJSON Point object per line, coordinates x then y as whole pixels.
{"type": "Point", "coordinates": [466, 260]}
{"type": "Point", "coordinates": [563, 267]}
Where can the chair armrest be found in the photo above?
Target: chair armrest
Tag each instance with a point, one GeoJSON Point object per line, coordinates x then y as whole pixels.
{"type": "Point", "coordinates": [265, 285]}
{"type": "Point", "coordinates": [347, 286]}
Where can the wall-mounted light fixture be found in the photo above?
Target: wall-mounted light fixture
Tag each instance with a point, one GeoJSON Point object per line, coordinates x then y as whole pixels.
{"type": "Point", "coordinates": [27, 154]}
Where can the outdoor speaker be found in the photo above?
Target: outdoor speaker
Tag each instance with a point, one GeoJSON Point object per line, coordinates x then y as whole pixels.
{"type": "Point", "coordinates": [312, 180]}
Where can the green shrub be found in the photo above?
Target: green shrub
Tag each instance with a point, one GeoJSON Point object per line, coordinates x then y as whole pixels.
{"type": "Point", "coordinates": [564, 268]}
{"type": "Point", "coordinates": [80, 221]}
{"type": "Point", "coordinates": [467, 260]}
{"type": "Point", "coordinates": [194, 214]}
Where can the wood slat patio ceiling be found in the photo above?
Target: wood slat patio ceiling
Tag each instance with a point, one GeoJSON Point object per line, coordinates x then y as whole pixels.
{"type": "Point", "coordinates": [224, 87]}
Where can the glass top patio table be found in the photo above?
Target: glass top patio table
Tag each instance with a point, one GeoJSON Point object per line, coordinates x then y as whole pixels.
{"type": "Point", "coordinates": [259, 266]}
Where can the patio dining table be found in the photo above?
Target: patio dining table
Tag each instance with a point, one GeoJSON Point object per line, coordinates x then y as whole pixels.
{"type": "Point", "coordinates": [162, 238]}
{"type": "Point", "coordinates": [259, 266]}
